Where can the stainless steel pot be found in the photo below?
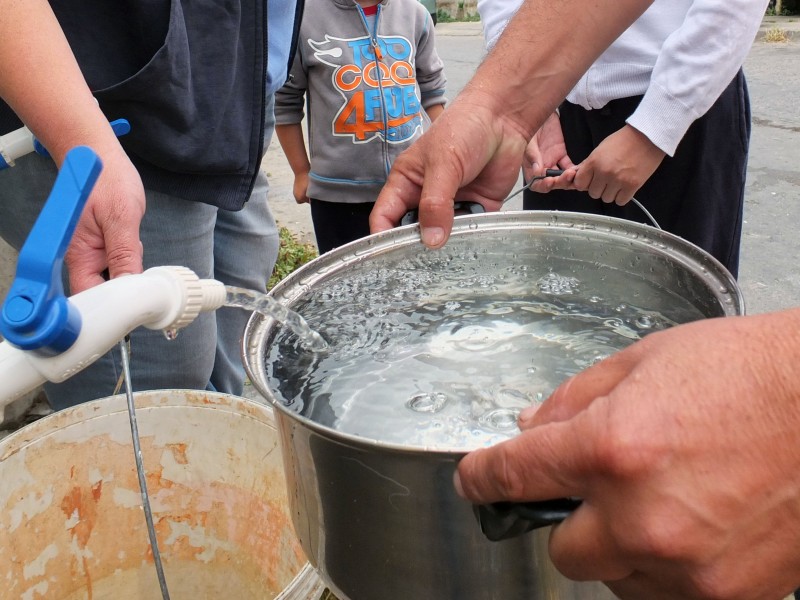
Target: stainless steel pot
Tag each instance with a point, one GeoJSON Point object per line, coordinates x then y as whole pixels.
{"type": "Point", "coordinates": [382, 520]}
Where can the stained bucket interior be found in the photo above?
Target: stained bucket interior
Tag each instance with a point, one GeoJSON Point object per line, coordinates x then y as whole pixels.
{"type": "Point", "coordinates": [71, 522]}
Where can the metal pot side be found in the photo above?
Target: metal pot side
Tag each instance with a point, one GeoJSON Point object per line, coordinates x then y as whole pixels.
{"type": "Point", "coordinates": [380, 520]}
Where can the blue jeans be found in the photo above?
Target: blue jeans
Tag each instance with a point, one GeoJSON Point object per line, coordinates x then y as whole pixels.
{"type": "Point", "coordinates": [237, 248]}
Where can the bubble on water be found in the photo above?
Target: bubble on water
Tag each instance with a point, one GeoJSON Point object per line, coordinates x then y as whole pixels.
{"type": "Point", "coordinates": [645, 322]}
{"type": "Point", "coordinates": [452, 306]}
{"type": "Point", "coordinates": [595, 299]}
{"type": "Point", "coordinates": [501, 419]}
{"type": "Point", "coordinates": [557, 285]}
{"type": "Point", "coordinates": [511, 398]}
{"type": "Point", "coordinates": [427, 403]}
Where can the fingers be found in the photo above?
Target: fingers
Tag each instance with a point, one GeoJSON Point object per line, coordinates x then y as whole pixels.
{"type": "Point", "coordinates": [575, 394]}
{"type": "Point", "coordinates": [120, 253]}
{"type": "Point", "coordinates": [561, 182]}
{"type": "Point", "coordinates": [539, 464]}
{"type": "Point", "coordinates": [395, 199]}
{"type": "Point", "coordinates": [436, 204]}
{"type": "Point", "coordinates": [582, 548]}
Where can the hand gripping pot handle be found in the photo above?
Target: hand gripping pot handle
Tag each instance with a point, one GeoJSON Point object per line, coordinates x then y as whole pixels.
{"type": "Point", "coordinates": [504, 520]}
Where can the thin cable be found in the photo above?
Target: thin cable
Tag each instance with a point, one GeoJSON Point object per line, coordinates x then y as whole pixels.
{"type": "Point", "coordinates": [137, 449]}
{"type": "Point", "coordinates": [555, 173]}
{"type": "Point", "coordinates": [646, 212]}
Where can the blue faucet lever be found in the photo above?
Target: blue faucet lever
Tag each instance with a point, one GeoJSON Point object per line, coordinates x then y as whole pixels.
{"type": "Point", "coordinates": [36, 314]}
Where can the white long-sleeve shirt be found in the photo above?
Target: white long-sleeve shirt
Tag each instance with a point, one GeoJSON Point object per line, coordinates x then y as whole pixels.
{"type": "Point", "coordinates": [680, 55]}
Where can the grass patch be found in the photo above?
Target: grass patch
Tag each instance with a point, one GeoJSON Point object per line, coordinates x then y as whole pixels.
{"type": "Point", "coordinates": [776, 35]}
{"type": "Point", "coordinates": [292, 254]}
{"type": "Point", "coordinates": [443, 16]}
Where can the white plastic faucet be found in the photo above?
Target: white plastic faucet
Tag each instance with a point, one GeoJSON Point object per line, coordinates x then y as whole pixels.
{"type": "Point", "coordinates": [50, 337]}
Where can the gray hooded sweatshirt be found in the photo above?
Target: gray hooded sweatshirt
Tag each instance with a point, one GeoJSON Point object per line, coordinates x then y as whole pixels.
{"type": "Point", "coordinates": [360, 122]}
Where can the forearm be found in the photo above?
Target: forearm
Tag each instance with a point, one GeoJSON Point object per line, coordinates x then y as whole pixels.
{"type": "Point", "coordinates": [536, 61]}
{"type": "Point", "coordinates": [294, 147]}
{"type": "Point", "coordinates": [41, 81]}
{"type": "Point", "coordinates": [434, 111]}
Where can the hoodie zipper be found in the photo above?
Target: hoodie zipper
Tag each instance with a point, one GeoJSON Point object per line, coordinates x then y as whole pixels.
{"type": "Point", "coordinates": [376, 50]}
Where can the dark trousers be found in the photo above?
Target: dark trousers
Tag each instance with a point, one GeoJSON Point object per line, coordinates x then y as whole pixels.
{"type": "Point", "coordinates": [698, 194]}
{"type": "Point", "coordinates": [338, 223]}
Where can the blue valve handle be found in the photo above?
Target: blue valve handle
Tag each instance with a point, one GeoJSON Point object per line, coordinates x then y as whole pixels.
{"type": "Point", "coordinates": [36, 315]}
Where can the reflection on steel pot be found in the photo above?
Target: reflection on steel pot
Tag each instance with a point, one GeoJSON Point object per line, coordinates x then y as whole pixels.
{"type": "Point", "coordinates": [432, 354]}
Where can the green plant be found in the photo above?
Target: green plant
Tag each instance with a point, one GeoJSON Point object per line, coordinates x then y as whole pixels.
{"type": "Point", "coordinates": [292, 254]}
{"type": "Point", "coordinates": [443, 16]}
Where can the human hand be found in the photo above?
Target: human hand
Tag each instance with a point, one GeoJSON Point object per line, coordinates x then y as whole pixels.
{"type": "Point", "coordinates": [468, 150]}
{"type": "Point", "coordinates": [300, 188]}
{"type": "Point", "coordinates": [547, 150]}
{"type": "Point", "coordinates": [107, 234]}
{"type": "Point", "coordinates": [685, 450]}
{"type": "Point", "coordinates": [619, 166]}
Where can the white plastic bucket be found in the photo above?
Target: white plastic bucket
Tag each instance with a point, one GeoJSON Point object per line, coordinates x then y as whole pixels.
{"type": "Point", "coordinates": [71, 522]}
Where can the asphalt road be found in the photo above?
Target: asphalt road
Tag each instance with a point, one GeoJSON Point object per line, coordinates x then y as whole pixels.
{"type": "Point", "coordinates": [770, 274]}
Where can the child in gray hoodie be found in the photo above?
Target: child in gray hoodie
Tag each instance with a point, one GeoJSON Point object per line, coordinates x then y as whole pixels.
{"type": "Point", "coordinates": [372, 82]}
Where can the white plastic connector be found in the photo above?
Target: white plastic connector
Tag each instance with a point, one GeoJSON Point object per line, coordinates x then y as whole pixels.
{"type": "Point", "coordinates": [196, 296]}
{"type": "Point", "coordinates": [15, 144]}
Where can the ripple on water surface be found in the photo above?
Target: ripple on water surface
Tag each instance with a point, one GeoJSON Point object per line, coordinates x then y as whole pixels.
{"type": "Point", "coordinates": [444, 351]}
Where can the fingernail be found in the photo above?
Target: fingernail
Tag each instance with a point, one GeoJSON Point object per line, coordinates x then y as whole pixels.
{"type": "Point", "coordinates": [534, 166]}
{"type": "Point", "coordinates": [457, 484]}
{"type": "Point", "coordinates": [432, 236]}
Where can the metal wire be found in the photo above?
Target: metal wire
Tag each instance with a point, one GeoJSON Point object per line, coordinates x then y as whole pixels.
{"type": "Point", "coordinates": [527, 185]}
{"type": "Point", "coordinates": [646, 212]}
{"type": "Point", "coordinates": [137, 449]}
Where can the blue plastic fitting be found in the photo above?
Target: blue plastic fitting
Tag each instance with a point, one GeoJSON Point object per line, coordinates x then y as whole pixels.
{"type": "Point", "coordinates": [36, 314]}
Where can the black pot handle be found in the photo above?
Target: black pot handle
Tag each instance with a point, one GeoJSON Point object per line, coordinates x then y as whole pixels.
{"type": "Point", "coordinates": [460, 207]}
{"type": "Point", "coordinates": [504, 520]}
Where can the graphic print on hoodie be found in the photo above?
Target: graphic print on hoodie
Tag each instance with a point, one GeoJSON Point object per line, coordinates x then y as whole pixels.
{"type": "Point", "coordinates": [364, 78]}
{"type": "Point", "coordinates": [363, 82]}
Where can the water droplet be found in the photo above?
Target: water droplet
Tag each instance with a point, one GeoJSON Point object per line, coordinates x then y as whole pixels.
{"type": "Point", "coordinates": [427, 403]}
{"type": "Point", "coordinates": [502, 419]}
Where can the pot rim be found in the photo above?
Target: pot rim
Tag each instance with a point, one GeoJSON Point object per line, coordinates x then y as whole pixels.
{"type": "Point", "coordinates": [719, 280]}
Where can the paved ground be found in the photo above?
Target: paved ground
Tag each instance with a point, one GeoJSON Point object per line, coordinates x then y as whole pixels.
{"type": "Point", "coordinates": [770, 274]}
